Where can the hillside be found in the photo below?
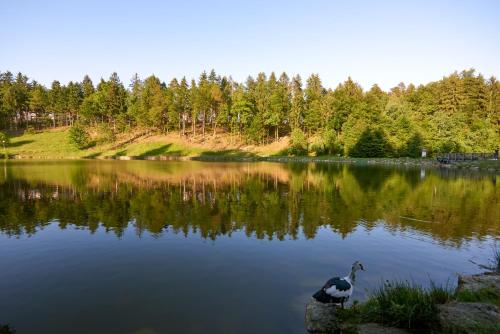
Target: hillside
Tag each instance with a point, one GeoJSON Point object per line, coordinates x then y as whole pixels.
{"type": "Point", "coordinates": [54, 144]}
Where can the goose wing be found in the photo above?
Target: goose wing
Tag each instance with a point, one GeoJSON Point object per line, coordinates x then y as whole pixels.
{"type": "Point", "coordinates": [335, 290]}
{"type": "Point", "coordinates": [338, 287]}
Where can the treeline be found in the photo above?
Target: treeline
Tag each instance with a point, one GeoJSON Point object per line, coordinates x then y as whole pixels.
{"type": "Point", "coordinates": [461, 112]}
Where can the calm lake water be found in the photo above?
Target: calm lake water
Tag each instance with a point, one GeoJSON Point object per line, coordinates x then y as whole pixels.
{"type": "Point", "coordinates": [190, 247]}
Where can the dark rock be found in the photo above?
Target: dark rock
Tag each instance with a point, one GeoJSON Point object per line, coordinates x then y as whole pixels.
{"type": "Point", "coordinates": [372, 328]}
{"type": "Point", "coordinates": [458, 318]}
{"type": "Point", "coordinates": [321, 318]}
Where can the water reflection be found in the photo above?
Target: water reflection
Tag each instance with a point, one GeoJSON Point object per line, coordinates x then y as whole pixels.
{"type": "Point", "coordinates": [265, 200]}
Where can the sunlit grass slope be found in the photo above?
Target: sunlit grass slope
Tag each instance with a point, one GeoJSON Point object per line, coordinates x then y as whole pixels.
{"type": "Point", "coordinates": [55, 144]}
{"type": "Point", "coordinates": [47, 144]}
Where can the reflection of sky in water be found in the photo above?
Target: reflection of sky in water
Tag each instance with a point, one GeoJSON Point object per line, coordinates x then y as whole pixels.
{"type": "Point", "coordinates": [173, 282]}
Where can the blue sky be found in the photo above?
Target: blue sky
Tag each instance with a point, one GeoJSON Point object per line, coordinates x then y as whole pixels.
{"type": "Point", "coordinates": [382, 42]}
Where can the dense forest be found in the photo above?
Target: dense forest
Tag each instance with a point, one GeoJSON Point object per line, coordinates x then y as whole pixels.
{"type": "Point", "coordinates": [459, 113]}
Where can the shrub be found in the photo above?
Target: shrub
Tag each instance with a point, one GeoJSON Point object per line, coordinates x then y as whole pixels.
{"type": "Point", "coordinates": [105, 134]}
{"type": "Point", "coordinates": [413, 147]}
{"type": "Point", "coordinates": [30, 130]}
{"type": "Point", "coordinates": [327, 143]}
{"type": "Point", "coordinates": [406, 305]}
{"type": "Point", "coordinates": [79, 137]}
{"type": "Point", "coordinates": [372, 143]}
{"type": "Point", "coordinates": [319, 146]}
{"type": "Point", "coordinates": [4, 139]}
{"type": "Point", "coordinates": [298, 142]}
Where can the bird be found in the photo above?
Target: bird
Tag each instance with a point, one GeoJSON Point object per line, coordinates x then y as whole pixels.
{"type": "Point", "coordinates": [337, 290]}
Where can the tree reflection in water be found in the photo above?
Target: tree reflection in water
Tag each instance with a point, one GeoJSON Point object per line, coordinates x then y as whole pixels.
{"type": "Point", "coordinates": [265, 200]}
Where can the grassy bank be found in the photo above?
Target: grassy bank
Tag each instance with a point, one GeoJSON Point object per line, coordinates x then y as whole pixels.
{"type": "Point", "coordinates": [409, 306]}
{"type": "Point", "coordinates": [412, 307]}
{"type": "Point", "coordinates": [401, 304]}
{"type": "Point", "coordinates": [54, 144]}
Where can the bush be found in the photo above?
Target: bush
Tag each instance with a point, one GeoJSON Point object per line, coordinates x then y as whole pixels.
{"type": "Point", "coordinates": [4, 142]}
{"type": "Point", "coordinates": [79, 137]}
{"type": "Point", "coordinates": [413, 147]}
{"type": "Point", "coordinates": [327, 143]}
{"type": "Point", "coordinates": [405, 305]}
{"type": "Point", "coordinates": [319, 146]}
{"type": "Point", "coordinates": [30, 130]}
{"type": "Point", "coordinates": [372, 143]}
{"type": "Point", "coordinates": [298, 142]}
{"type": "Point", "coordinates": [105, 134]}
{"type": "Point", "coordinates": [4, 139]}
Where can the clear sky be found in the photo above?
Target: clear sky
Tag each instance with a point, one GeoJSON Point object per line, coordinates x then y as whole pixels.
{"type": "Point", "coordinates": [382, 42]}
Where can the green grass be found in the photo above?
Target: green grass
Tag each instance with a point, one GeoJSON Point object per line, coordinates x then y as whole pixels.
{"type": "Point", "coordinates": [145, 149]}
{"type": "Point", "coordinates": [405, 305]}
{"type": "Point", "coordinates": [410, 306]}
{"type": "Point", "coordinates": [486, 295]}
{"type": "Point", "coordinates": [55, 144]}
{"type": "Point", "coordinates": [47, 144]}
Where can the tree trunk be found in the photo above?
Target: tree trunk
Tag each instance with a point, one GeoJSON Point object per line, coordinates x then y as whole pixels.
{"type": "Point", "coordinates": [194, 126]}
{"type": "Point", "coordinates": [203, 124]}
{"type": "Point", "coordinates": [183, 125]}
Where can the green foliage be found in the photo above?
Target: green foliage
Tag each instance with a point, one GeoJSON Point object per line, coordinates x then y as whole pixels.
{"type": "Point", "coordinates": [30, 130]}
{"type": "Point", "coordinates": [298, 142]}
{"type": "Point", "coordinates": [372, 143]}
{"type": "Point", "coordinates": [489, 295]}
{"type": "Point", "coordinates": [460, 113]}
{"type": "Point", "coordinates": [413, 147]}
{"type": "Point", "coordinates": [406, 305]}
{"type": "Point", "coordinates": [327, 143]}
{"type": "Point", "coordinates": [4, 139]}
{"type": "Point", "coordinates": [104, 134]}
{"type": "Point", "coordinates": [79, 136]}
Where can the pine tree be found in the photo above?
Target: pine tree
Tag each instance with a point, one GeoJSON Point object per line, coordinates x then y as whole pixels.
{"type": "Point", "coordinates": [184, 104]}
{"type": "Point", "coordinates": [193, 97]}
{"type": "Point", "coordinates": [57, 103]}
{"type": "Point", "coordinates": [87, 86]}
{"type": "Point", "coordinates": [133, 100]}
{"type": "Point", "coordinates": [38, 102]}
{"type": "Point", "coordinates": [297, 104]}
{"type": "Point", "coordinates": [314, 93]}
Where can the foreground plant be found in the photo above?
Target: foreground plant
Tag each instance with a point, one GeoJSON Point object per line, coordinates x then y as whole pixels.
{"type": "Point", "coordinates": [406, 305]}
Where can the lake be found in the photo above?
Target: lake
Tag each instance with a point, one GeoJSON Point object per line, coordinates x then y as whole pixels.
{"type": "Point", "coordinates": [149, 247]}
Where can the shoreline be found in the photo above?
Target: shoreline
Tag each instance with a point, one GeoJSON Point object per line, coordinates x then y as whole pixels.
{"type": "Point", "coordinates": [483, 165]}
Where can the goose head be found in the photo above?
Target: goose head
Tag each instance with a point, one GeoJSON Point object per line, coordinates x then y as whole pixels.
{"type": "Point", "coordinates": [357, 266]}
